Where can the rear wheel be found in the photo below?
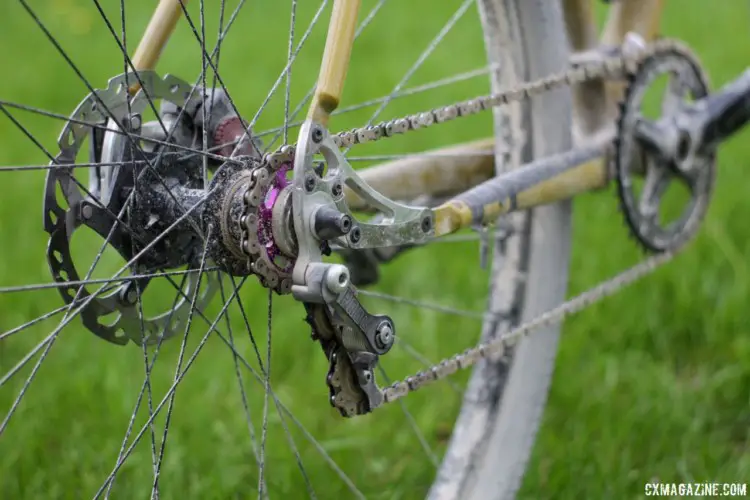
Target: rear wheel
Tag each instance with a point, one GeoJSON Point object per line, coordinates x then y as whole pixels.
{"type": "Point", "coordinates": [233, 430]}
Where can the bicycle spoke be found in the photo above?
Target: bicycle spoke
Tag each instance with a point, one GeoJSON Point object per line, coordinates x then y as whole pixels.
{"type": "Point", "coordinates": [146, 382]}
{"type": "Point", "coordinates": [266, 389]}
{"type": "Point", "coordinates": [426, 154]}
{"type": "Point", "coordinates": [149, 399]}
{"type": "Point", "coordinates": [131, 277]}
{"type": "Point", "coordinates": [104, 128]}
{"type": "Point", "coordinates": [434, 307]}
{"type": "Point", "coordinates": [204, 135]}
{"type": "Point", "coordinates": [180, 359]}
{"type": "Point", "coordinates": [240, 380]}
{"type": "Point", "coordinates": [278, 81]}
{"type": "Point", "coordinates": [165, 399]}
{"type": "Point", "coordinates": [20, 328]}
{"type": "Point", "coordinates": [22, 168]}
{"type": "Point", "coordinates": [308, 435]}
{"type": "Point", "coordinates": [413, 424]}
{"type": "Point", "coordinates": [414, 353]}
{"type": "Point", "coordinates": [420, 60]}
{"type": "Point", "coordinates": [289, 72]}
{"type": "Point", "coordinates": [461, 77]}
{"type": "Point", "coordinates": [207, 60]}
{"type": "Point", "coordinates": [127, 62]}
{"type": "Point", "coordinates": [365, 22]}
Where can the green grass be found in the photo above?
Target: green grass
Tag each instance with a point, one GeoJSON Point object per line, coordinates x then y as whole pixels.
{"type": "Point", "coordinates": [652, 384]}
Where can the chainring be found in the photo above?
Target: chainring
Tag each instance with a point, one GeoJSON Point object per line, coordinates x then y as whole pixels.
{"type": "Point", "coordinates": [687, 80]}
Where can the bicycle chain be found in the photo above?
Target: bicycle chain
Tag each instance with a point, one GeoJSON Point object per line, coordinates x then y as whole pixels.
{"type": "Point", "coordinates": [607, 68]}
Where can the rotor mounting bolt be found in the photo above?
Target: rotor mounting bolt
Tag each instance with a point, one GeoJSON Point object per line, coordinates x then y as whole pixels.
{"type": "Point", "coordinates": [317, 135]}
{"type": "Point", "coordinates": [129, 294]}
{"type": "Point", "coordinates": [135, 121]}
{"type": "Point", "coordinates": [384, 335]}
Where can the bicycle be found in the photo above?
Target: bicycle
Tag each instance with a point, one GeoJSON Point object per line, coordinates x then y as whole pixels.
{"type": "Point", "coordinates": [195, 194]}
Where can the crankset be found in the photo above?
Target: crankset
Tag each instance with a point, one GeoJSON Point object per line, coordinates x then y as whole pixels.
{"type": "Point", "coordinates": [678, 146]}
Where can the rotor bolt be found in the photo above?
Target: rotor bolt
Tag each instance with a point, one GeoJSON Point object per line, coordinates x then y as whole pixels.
{"type": "Point", "coordinates": [135, 122]}
{"type": "Point", "coordinates": [310, 183]}
{"type": "Point", "coordinates": [87, 211]}
{"type": "Point", "coordinates": [384, 335]}
{"type": "Point", "coordinates": [317, 135]}
{"type": "Point", "coordinates": [337, 189]}
{"type": "Point", "coordinates": [129, 294]}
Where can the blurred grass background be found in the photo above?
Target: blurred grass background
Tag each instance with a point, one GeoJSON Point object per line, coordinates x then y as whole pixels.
{"type": "Point", "coordinates": [652, 384]}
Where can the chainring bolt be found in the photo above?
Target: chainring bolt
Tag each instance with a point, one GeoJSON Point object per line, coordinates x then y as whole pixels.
{"type": "Point", "coordinates": [87, 211]}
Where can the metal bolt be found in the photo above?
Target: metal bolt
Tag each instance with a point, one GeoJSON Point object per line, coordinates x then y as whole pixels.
{"type": "Point", "coordinates": [384, 335]}
{"type": "Point", "coordinates": [337, 189]}
{"type": "Point", "coordinates": [337, 278]}
{"type": "Point", "coordinates": [426, 224]}
{"type": "Point", "coordinates": [135, 122]}
{"type": "Point", "coordinates": [355, 235]}
{"type": "Point", "coordinates": [87, 211]}
{"type": "Point", "coordinates": [129, 294]}
{"type": "Point", "coordinates": [310, 183]}
{"type": "Point", "coordinates": [317, 135]}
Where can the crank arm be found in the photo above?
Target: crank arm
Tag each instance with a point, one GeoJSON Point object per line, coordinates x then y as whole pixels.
{"type": "Point", "coordinates": [697, 128]}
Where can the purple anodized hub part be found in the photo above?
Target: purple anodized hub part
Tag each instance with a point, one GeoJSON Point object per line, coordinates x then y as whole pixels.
{"type": "Point", "coordinates": [265, 231]}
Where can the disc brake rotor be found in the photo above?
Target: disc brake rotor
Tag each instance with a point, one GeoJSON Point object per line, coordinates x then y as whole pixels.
{"type": "Point", "coordinates": [99, 208]}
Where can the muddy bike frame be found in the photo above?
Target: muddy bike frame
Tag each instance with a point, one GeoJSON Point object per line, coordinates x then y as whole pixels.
{"type": "Point", "coordinates": [453, 170]}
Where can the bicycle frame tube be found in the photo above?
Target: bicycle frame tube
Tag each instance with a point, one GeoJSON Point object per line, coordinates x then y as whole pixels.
{"type": "Point", "coordinates": [595, 102]}
{"type": "Point", "coordinates": [158, 31]}
{"type": "Point", "coordinates": [335, 60]}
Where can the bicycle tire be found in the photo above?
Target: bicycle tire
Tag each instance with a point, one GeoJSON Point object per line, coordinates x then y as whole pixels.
{"type": "Point", "coordinates": [504, 402]}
